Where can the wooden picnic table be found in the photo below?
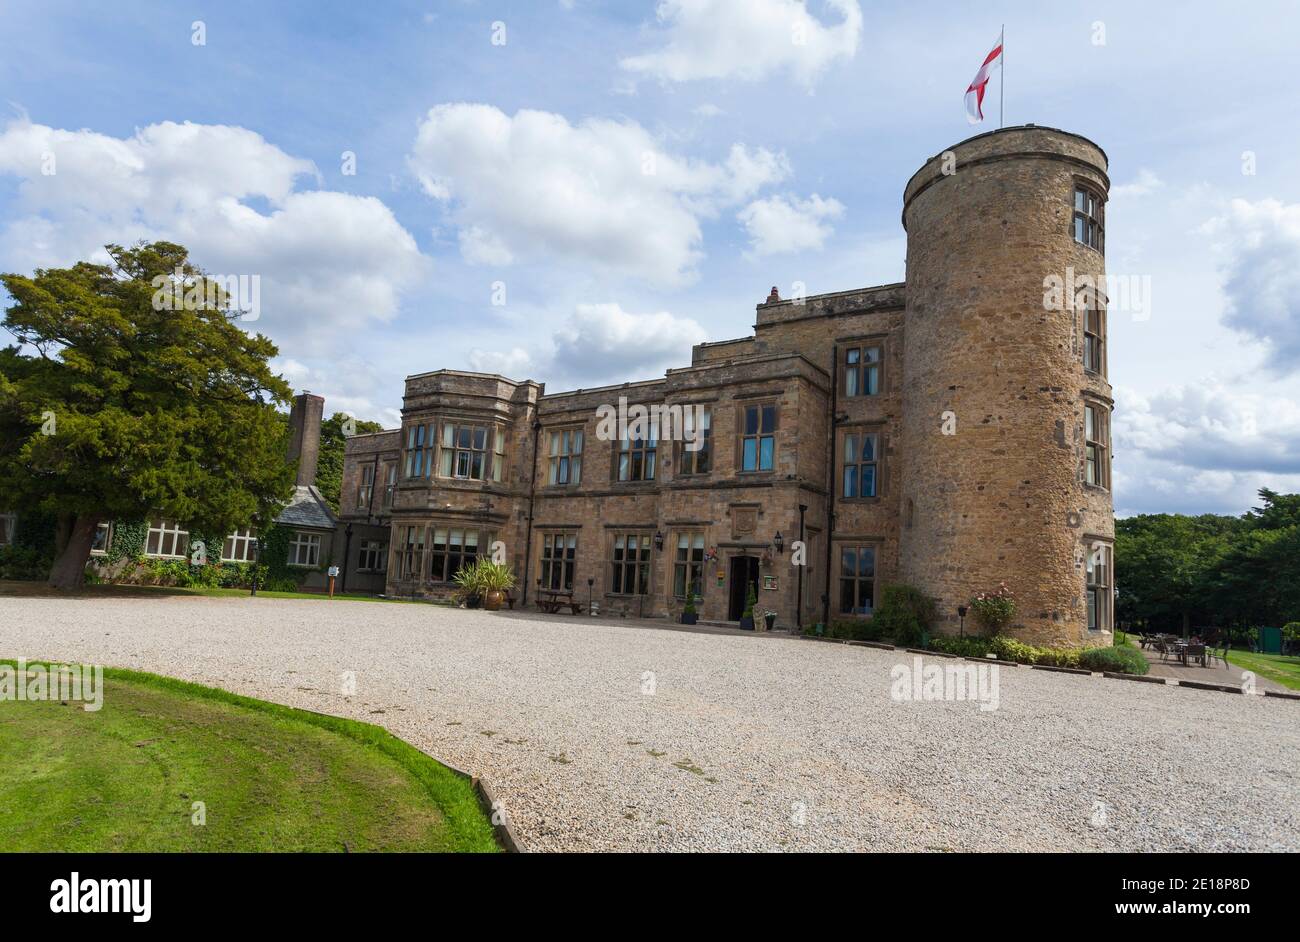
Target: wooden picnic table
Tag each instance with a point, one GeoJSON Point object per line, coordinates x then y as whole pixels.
{"type": "Point", "coordinates": [551, 601]}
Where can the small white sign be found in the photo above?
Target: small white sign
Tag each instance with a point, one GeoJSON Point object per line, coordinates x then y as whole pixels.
{"type": "Point", "coordinates": [333, 571]}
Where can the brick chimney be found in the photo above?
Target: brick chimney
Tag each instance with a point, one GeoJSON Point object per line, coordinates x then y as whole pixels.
{"type": "Point", "coordinates": [774, 297]}
{"type": "Point", "coordinates": [304, 434]}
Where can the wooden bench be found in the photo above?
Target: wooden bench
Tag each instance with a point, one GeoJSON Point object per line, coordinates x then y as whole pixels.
{"type": "Point", "coordinates": [551, 601]}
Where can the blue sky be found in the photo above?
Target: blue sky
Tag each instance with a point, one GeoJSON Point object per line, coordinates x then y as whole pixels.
{"type": "Point", "coordinates": [633, 177]}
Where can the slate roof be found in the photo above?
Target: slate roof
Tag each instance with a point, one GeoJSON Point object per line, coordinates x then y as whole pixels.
{"type": "Point", "coordinates": [307, 509]}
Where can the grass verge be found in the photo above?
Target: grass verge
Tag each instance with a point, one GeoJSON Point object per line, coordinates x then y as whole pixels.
{"type": "Point", "coordinates": [17, 588]}
{"type": "Point", "coordinates": [269, 777]}
{"type": "Point", "coordinates": [1283, 669]}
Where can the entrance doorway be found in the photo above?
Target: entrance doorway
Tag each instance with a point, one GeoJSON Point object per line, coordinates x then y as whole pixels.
{"type": "Point", "coordinates": [744, 573]}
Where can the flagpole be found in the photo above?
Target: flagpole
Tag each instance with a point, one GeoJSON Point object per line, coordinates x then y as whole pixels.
{"type": "Point", "coordinates": [1002, 82]}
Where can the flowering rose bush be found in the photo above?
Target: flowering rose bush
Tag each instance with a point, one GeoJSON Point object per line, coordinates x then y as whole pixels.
{"type": "Point", "coordinates": [994, 610]}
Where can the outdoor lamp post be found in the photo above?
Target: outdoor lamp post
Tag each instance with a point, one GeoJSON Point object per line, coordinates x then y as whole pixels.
{"type": "Point", "coordinates": [257, 556]}
{"type": "Point", "coordinates": [961, 613]}
{"type": "Point", "coordinates": [659, 541]}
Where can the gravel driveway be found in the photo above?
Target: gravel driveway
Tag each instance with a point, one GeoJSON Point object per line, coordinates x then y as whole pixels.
{"type": "Point", "coordinates": [755, 742]}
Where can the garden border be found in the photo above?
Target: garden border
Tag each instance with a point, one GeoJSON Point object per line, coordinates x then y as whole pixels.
{"type": "Point", "coordinates": [1113, 675]}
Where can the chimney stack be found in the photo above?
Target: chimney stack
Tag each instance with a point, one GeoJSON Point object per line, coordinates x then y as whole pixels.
{"type": "Point", "coordinates": [304, 434]}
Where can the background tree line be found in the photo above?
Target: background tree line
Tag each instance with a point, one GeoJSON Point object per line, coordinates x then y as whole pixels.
{"type": "Point", "coordinates": [1184, 574]}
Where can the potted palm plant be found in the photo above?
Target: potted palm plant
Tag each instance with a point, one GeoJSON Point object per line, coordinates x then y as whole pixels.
{"type": "Point", "coordinates": [469, 588]}
{"type": "Point", "coordinates": [494, 580]}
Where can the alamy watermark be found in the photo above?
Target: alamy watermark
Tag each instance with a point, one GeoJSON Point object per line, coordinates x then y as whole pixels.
{"type": "Point", "coordinates": [652, 423]}
{"type": "Point", "coordinates": [58, 682]}
{"type": "Point", "coordinates": [927, 683]}
{"type": "Point", "coordinates": [236, 295]}
{"type": "Point", "coordinates": [1124, 294]}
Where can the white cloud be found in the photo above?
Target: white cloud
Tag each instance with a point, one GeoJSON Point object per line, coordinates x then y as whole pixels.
{"type": "Point", "coordinates": [1262, 275]}
{"type": "Point", "coordinates": [1146, 183]}
{"type": "Point", "coordinates": [328, 261]}
{"type": "Point", "coordinates": [515, 363]}
{"type": "Point", "coordinates": [602, 193]}
{"type": "Point", "coordinates": [748, 40]}
{"type": "Point", "coordinates": [1203, 447]}
{"type": "Point", "coordinates": [609, 341]}
{"type": "Point", "coordinates": [780, 224]}
{"type": "Point", "coordinates": [598, 344]}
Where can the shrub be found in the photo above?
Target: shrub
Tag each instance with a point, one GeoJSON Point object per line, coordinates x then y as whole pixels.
{"type": "Point", "coordinates": [751, 599]}
{"type": "Point", "coordinates": [1009, 649]}
{"type": "Point", "coordinates": [1122, 660]}
{"type": "Point", "coordinates": [23, 562]}
{"type": "Point", "coordinates": [962, 647]}
{"type": "Point", "coordinates": [994, 610]}
{"type": "Point", "coordinates": [855, 629]}
{"type": "Point", "coordinates": [905, 614]}
{"type": "Point", "coordinates": [1059, 657]}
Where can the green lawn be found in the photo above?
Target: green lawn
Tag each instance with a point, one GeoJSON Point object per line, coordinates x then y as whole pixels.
{"type": "Point", "coordinates": [1282, 669]}
{"type": "Point", "coordinates": [40, 589]}
{"type": "Point", "coordinates": [271, 778]}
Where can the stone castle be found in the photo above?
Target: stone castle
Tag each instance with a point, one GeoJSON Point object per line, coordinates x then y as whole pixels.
{"type": "Point", "coordinates": [950, 432]}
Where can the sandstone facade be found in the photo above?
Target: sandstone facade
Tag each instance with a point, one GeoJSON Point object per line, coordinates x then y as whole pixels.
{"type": "Point", "coordinates": [951, 432]}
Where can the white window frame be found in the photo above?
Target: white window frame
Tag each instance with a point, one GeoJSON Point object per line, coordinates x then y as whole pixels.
{"type": "Point", "coordinates": [311, 542]}
{"type": "Point", "coordinates": [241, 540]}
{"type": "Point", "coordinates": [166, 530]}
{"type": "Point", "coordinates": [107, 527]}
{"type": "Point", "coordinates": [8, 523]}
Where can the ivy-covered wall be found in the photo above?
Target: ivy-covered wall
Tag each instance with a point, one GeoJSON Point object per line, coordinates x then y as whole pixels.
{"type": "Point", "coordinates": [125, 561]}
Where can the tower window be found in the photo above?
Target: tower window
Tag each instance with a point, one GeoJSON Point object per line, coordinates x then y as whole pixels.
{"type": "Point", "coordinates": [1088, 218]}
{"type": "Point", "coordinates": [1094, 332]}
{"type": "Point", "coordinates": [1099, 587]}
{"type": "Point", "coordinates": [1096, 433]}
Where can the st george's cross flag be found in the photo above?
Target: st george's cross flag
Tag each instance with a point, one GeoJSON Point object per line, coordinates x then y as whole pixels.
{"type": "Point", "coordinates": [975, 94]}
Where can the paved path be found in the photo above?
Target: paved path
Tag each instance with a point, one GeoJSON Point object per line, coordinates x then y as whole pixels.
{"type": "Point", "coordinates": [609, 736]}
{"type": "Point", "coordinates": [1219, 673]}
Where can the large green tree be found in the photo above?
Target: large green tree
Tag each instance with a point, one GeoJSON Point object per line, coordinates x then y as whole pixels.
{"type": "Point", "coordinates": [132, 393]}
{"type": "Point", "coordinates": [1164, 564]}
{"type": "Point", "coordinates": [1175, 572]}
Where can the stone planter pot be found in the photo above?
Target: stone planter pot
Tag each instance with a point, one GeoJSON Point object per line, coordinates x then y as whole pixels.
{"type": "Point", "coordinates": [689, 619]}
{"type": "Point", "coordinates": [770, 621]}
{"type": "Point", "coordinates": [747, 622]}
{"type": "Point", "coordinates": [473, 601]}
{"type": "Point", "coordinates": [493, 599]}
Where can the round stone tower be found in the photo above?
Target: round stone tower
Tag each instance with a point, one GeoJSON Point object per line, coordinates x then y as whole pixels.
{"type": "Point", "coordinates": [1002, 481]}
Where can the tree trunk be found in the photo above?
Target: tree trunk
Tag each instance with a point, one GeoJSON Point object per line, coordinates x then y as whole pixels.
{"type": "Point", "coordinates": [62, 530]}
{"type": "Point", "coordinates": [69, 570]}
